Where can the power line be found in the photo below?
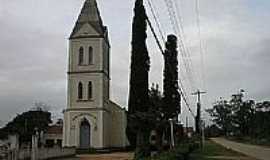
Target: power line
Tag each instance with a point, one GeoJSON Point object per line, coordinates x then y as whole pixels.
{"type": "Point", "coordinates": [155, 35]}
{"type": "Point", "coordinates": [185, 54]}
{"type": "Point", "coordinates": [182, 32]}
{"type": "Point", "coordinates": [181, 88]}
{"type": "Point", "coordinates": [155, 16]}
{"type": "Point", "coordinates": [197, 8]}
{"type": "Point", "coordinates": [176, 28]}
{"type": "Point", "coordinates": [185, 100]}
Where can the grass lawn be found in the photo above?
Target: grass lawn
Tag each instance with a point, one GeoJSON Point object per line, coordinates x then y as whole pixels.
{"type": "Point", "coordinates": [212, 149]}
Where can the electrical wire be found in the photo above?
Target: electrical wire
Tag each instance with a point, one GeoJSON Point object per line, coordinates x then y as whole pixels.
{"type": "Point", "coordinates": [176, 28]}
{"type": "Point", "coordinates": [180, 83]}
{"type": "Point", "coordinates": [155, 16]}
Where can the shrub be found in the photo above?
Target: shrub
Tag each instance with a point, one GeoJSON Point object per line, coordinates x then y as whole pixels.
{"type": "Point", "coordinates": [181, 152]}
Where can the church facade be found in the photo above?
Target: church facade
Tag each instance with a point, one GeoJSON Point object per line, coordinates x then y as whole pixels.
{"type": "Point", "coordinates": [91, 119]}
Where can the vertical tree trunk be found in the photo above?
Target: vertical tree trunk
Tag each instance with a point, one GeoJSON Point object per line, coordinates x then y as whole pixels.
{"type": "Point", "coordinates": [142, 149]}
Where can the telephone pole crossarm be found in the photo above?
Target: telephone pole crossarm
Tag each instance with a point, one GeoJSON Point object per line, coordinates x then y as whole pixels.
{"type": "Point", "coordinates": [198, 120]}
{"type": "Point", "coordinates": [198, 93]}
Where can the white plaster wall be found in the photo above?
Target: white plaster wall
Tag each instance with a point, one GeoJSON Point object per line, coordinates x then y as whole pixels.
{"type": "Point", "coordinates": [47, 153]}
{"type": "Point", "coordinates": [107, 129]}
{"type": "Point", "coordinates": [107, 120]}
{"type": "Point", "coordinates": [118, 126]}
{"type": "Point", "coordinates": [73, 131]}
{"type": "Point", "coordinates": [97, 90]}
{"type": "Point", "coordinates": [74, 46]}
{"type": "Point", "coordinates": [65, 127]}
{"type": "Point", "coordinates": [106, 57]}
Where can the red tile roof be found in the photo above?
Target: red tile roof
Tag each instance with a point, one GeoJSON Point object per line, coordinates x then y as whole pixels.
{"type": "Point", "coordinates": [55, 129]}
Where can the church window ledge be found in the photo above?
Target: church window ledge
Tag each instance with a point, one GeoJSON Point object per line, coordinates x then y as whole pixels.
{"type": "Point", "coordinates": [85, 100]}
{"type": "Point", "coordinates": [83, 65]}
{"type": "Point", "coordinates": [86, 65]}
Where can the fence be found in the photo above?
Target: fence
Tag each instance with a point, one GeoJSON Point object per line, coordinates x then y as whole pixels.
{"type": "Point", "coordinates": [41, 153]}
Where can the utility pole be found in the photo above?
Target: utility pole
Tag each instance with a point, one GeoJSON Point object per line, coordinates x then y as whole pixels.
{"type": "Point", "coordinates": [187, 122]}
{"type": "Point", "coordinates": [198, 121]}
{"type": "Point", "coordinates": [172, 135]}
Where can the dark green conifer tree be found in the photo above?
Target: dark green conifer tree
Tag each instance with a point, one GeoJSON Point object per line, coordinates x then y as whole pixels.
{"type": "Point", "coordinates": [171, 94]}
{"type": "Point", "coordinates": [138, 93]}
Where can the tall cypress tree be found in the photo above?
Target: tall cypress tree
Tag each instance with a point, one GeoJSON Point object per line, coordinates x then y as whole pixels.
{"type": "Point", "coordinates": [138, 94]}
{"type": "Point", "coordinates": [140, 62]}
{"type": "Point", "coordinates": [171, 94]}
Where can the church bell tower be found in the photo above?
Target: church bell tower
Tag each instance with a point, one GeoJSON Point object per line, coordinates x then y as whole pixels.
{"type": "Point", "coordinates": [88, 81]}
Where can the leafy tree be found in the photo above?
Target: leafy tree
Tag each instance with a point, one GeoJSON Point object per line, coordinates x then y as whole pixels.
{"type": "Point", "coordinates": [222, 116]}
{"type": "Point", "coordinates": [261, 121]}
{"type": "Point", "coordinates": [138, 95]}
{"type": "Point", "coordinates": [27, 123]}
{"type": "Point", "coordinates": [242, 118]}
{"type": "Point", "coordinates": [159, 121]}
{"type": "Point", "coordinates": [243, 113]}
{"type": "Point", "coordinates": [212, 131]}
{"type": "Point", "coordinates": [155, 99]}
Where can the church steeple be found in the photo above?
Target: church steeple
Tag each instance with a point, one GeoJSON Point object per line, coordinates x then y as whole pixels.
{"type": "Point", "coordinates": [88, 119]}
{"type": "Point", "coordinates": [89, 15]}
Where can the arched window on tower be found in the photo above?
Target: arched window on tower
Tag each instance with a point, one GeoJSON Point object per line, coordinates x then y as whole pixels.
{"type": "Point", "coordinates": [81, 56]}
{"type": "Point", "coordinates": [90, 55]}
{"type": "Point", "coordinates": [90, 90]}
{"type": "Point", "coordinates": [80, 91]}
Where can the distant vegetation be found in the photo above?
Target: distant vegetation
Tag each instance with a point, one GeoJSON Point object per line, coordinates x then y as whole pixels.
{"type": "Point", "coordinates": [27, 123]}
{"type": "Point", "coordinates": [240, 118]}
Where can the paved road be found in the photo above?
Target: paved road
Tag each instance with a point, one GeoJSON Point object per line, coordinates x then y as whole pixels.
{"type": "Point", "coordinates": [258, 152]}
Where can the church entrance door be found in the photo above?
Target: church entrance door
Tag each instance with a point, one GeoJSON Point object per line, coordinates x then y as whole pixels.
{"type": "Point", "coordinates": [85, 132]}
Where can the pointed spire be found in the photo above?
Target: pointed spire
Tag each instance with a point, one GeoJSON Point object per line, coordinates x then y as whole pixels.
{"type": "Point", "coordinates": [91, 15]}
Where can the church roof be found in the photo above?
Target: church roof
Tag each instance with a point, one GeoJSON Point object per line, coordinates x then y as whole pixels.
{"type": "Point", "coordinates": [113, 104]}
{"type": "Point", "coordinates": [89, 15]}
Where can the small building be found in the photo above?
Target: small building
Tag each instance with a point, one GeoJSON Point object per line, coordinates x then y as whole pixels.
{"type": "Point", "coordinates": [53, 136]}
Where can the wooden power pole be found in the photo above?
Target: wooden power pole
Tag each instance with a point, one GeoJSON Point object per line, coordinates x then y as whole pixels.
{"type": "Point", "coordinates": [198, 121]}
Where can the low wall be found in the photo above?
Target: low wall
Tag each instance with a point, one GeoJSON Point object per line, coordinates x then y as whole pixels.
{"type": "Point", "coordinates": [24, 154]}
{"type": "Point", "coordinates": [47, 153]}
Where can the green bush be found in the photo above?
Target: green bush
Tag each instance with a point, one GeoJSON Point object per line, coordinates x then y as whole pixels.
{"type": "Point", "coordinates": [181, 152]}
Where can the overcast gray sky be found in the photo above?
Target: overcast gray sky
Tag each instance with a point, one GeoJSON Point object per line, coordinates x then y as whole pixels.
{"type": "Point", "coordinates": [33, 49]}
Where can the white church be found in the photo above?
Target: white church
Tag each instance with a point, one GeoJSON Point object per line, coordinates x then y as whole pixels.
{"type": "Point", "coordinates": [91, 119]}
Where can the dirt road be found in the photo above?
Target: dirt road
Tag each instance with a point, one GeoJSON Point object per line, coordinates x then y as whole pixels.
{"type": "Point", "coordinates": [258, 152]}
{"type": "Point", "coordinates": [111, 156]}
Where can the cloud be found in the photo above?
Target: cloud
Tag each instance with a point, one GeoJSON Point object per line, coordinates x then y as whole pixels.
{"type": "Point", "coordinates": [33, 49]}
